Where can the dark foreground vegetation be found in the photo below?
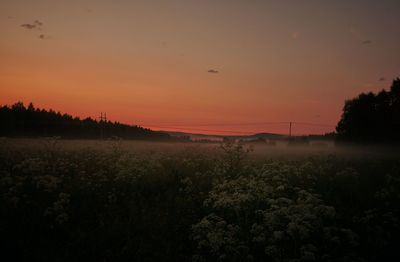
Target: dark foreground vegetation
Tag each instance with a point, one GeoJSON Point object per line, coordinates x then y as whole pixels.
{"type": "Point", "coordinates": [213, 204]}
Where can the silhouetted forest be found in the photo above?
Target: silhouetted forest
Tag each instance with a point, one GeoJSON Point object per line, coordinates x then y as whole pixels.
{"type": "Point", "coordinates": [18, 120]}
{"type": "Point", "coordinates": [373, 118]}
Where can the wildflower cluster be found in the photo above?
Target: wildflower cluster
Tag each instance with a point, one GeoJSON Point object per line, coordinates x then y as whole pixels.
{"type": "Point", "coordinates": [108, 203]}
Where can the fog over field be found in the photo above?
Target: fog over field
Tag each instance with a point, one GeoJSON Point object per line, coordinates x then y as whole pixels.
{"type": "Point", "coordinates": [279, 149]}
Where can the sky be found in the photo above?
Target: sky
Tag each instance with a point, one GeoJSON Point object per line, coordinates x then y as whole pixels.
{"type": "Point", "coordinates": [222, 66]}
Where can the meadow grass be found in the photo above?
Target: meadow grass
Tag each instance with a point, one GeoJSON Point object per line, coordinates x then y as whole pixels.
{"type": "Point", "coordinates": [115, 200]}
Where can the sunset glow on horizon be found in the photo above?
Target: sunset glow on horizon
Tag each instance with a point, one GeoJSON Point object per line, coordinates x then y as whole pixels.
{"type": "Point", "coordinates": [216, 67]}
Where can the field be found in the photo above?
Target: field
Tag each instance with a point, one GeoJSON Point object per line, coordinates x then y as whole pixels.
{"type": "Point", "coordinates": [89, 200]}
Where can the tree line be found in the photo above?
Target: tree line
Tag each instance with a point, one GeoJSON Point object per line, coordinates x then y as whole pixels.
{"type": "Point", "coordinates": [19, 120]}
{"type": "Point", "coordinates": [372, 118]}
{"type": "Point", "coordinates": [367, 118]}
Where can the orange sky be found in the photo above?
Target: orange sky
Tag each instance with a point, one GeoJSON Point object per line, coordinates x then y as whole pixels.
{"type": "Point", "coordinates": [147, 62]}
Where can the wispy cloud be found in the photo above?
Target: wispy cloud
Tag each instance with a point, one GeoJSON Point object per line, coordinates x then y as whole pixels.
{"type": "Point", "coordinates": [366, 42]}
{"type": "Point", "coordinates": [381, 79]}
{"type": "Point", "coordinates": [35, 25]}
{"type": "Point", "coordinates": [213, 71]}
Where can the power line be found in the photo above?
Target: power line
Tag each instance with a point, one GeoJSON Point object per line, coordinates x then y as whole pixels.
{"type": "Point", "coordinates": [183, 128]}
{"type": "Point", "coordinates": [226, 124]}
{"type": "Point", "coordinates": [103, 117]}
{"type": "Point", "coordinates": [189, 127]}
{"type": "Point", "coordinates": [314, 124]}
{"type": "Point", "coordinates": [244, 124]}
{"type": "Point", "coordinates": [103, 120]}
{"type": "Point", "coordinates": [197, 129]}
{"type": "Point", "coordinates": [186, 127]}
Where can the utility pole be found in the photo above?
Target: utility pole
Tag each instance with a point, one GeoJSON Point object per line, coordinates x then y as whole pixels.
{"type": "Point", "coordinates": [103, 120]}
{"type": "Point", "coordinates": [290, 129]}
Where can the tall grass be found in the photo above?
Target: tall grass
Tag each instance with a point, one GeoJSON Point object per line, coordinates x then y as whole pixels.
{"type": "Point", "coordinates": [203, 204]}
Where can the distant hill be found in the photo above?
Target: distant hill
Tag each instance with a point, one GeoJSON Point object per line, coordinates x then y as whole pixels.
{"type": "Point", "coordinates": [195, 136]}
{"type": "Point", "coordinates": [20, 121]}
{"type": "Point", "coordinates": [267, 136]}
{"type": "Point", "coordinates": [253, 137]}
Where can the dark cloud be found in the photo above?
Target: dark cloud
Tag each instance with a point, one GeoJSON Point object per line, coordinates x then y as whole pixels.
{"type": "Point", "coordinates": [366, 42]}
{"type": "Point", "coordinates": [10, 17]}
{"type": "Point", "coordinates": [381, 79]}
{"type": "Point", "coordinates": [38, 23]}
{"type": "Point", "coordinates": [29, 26]}
{"type": "Point", "coordinates": [213, 71]}
{"type": "Point", "coordinates": [35, 25]}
